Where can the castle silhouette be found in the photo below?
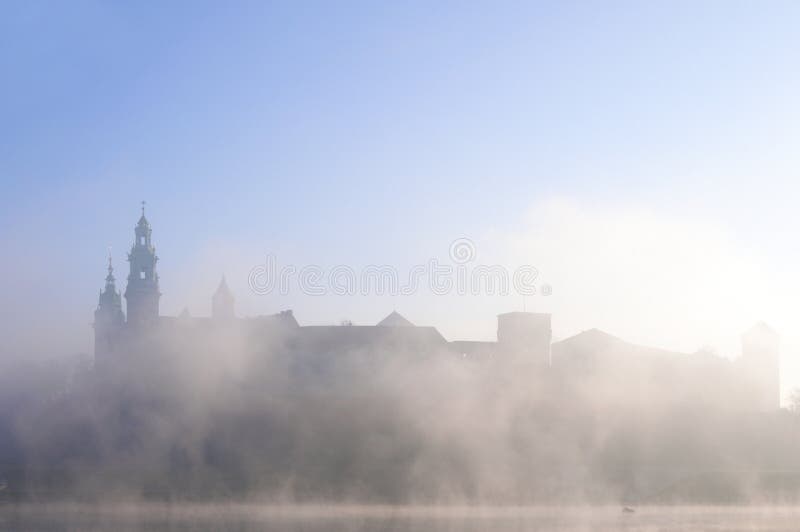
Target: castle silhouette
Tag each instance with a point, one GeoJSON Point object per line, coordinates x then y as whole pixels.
{"type": "Point", "coordinates": [524, 339]}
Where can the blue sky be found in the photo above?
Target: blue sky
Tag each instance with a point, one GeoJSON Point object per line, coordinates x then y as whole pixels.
{"type": "Point", "coordinates": [377, 133]}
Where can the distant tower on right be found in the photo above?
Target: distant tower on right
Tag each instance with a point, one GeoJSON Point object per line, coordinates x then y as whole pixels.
{"type": "Point", "coordinates": [222, 303]}
{"type": "Point", "coordinates": [761, 365]}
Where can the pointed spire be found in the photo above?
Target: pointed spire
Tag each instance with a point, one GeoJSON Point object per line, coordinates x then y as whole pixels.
{"type": "Point", "coordinates": [109, 296]}
{"type": "Point", "coordinates": [110, 276]}
{"type": "Point", "coordinates": [223, 287]}
{"type": "Point", "coordinates": [143, 220]}
{"type": "Point", "coordinates": [222, 302]}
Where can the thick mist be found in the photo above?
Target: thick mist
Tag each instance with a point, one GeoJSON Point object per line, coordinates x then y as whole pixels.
{"type": "Point", "coordinates": [254, 414]}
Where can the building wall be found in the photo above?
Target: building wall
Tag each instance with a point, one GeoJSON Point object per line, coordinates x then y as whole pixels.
{"type": "Point", "coordinates": [525, 336]}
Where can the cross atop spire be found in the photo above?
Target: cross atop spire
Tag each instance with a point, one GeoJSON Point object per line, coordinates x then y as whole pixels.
{"type": "Point", "coordinates": [142, 220]}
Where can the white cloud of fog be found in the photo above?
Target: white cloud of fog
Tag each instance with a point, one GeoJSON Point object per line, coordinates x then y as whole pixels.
{"type": "Point", "coordinates": [652, 279]}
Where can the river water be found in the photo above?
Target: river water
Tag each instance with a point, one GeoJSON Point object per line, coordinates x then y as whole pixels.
{"type": "Point", "coordinates": [246, 518]}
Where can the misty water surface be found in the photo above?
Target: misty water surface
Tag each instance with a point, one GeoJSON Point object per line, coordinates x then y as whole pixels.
{"type": "Point", "coordinates": [352, 519]}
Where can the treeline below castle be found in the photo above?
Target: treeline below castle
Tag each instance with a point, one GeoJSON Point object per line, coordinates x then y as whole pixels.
{"type": "Point", "coordinates": [237, 419]}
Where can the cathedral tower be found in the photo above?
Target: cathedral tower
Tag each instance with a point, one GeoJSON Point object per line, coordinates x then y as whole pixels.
{"type": "Point", "coordinates": [142, 292]}
{"type": "Point", "coordinates": [108, 318]}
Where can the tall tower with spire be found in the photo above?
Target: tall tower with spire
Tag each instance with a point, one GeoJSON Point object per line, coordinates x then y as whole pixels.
{"type": "Point", "coordinates": [108, 318]}
{"type": "Point", "coordinates": [142, 293]}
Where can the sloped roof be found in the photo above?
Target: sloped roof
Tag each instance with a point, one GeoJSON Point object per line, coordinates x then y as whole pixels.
{"type": "Point", "coordinates": [223, 290]}
{"type": "Point", "coordinates": [395, 320]}
{"type": "Point", "coordinates": [592, 338]}
{"type": "Point", "coordinates": [595, 343]}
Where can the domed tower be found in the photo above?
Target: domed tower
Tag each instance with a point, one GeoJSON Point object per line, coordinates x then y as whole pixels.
{"type": "Point", "coordinates": [142, 293]}
{"type": "Point", "coordinates": [108, 318]}
{"type": "Point", "coordinates": [222, 303]}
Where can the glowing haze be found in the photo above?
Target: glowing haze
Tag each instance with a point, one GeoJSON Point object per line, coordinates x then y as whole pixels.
{"type": "Point", "coordinates": [643, 157]}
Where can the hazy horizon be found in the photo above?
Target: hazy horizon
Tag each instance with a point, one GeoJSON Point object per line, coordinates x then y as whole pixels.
{"type": "Point", "coordinates": [623, 167]}
{"type": "Point", "coordinates": [365, 135]}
